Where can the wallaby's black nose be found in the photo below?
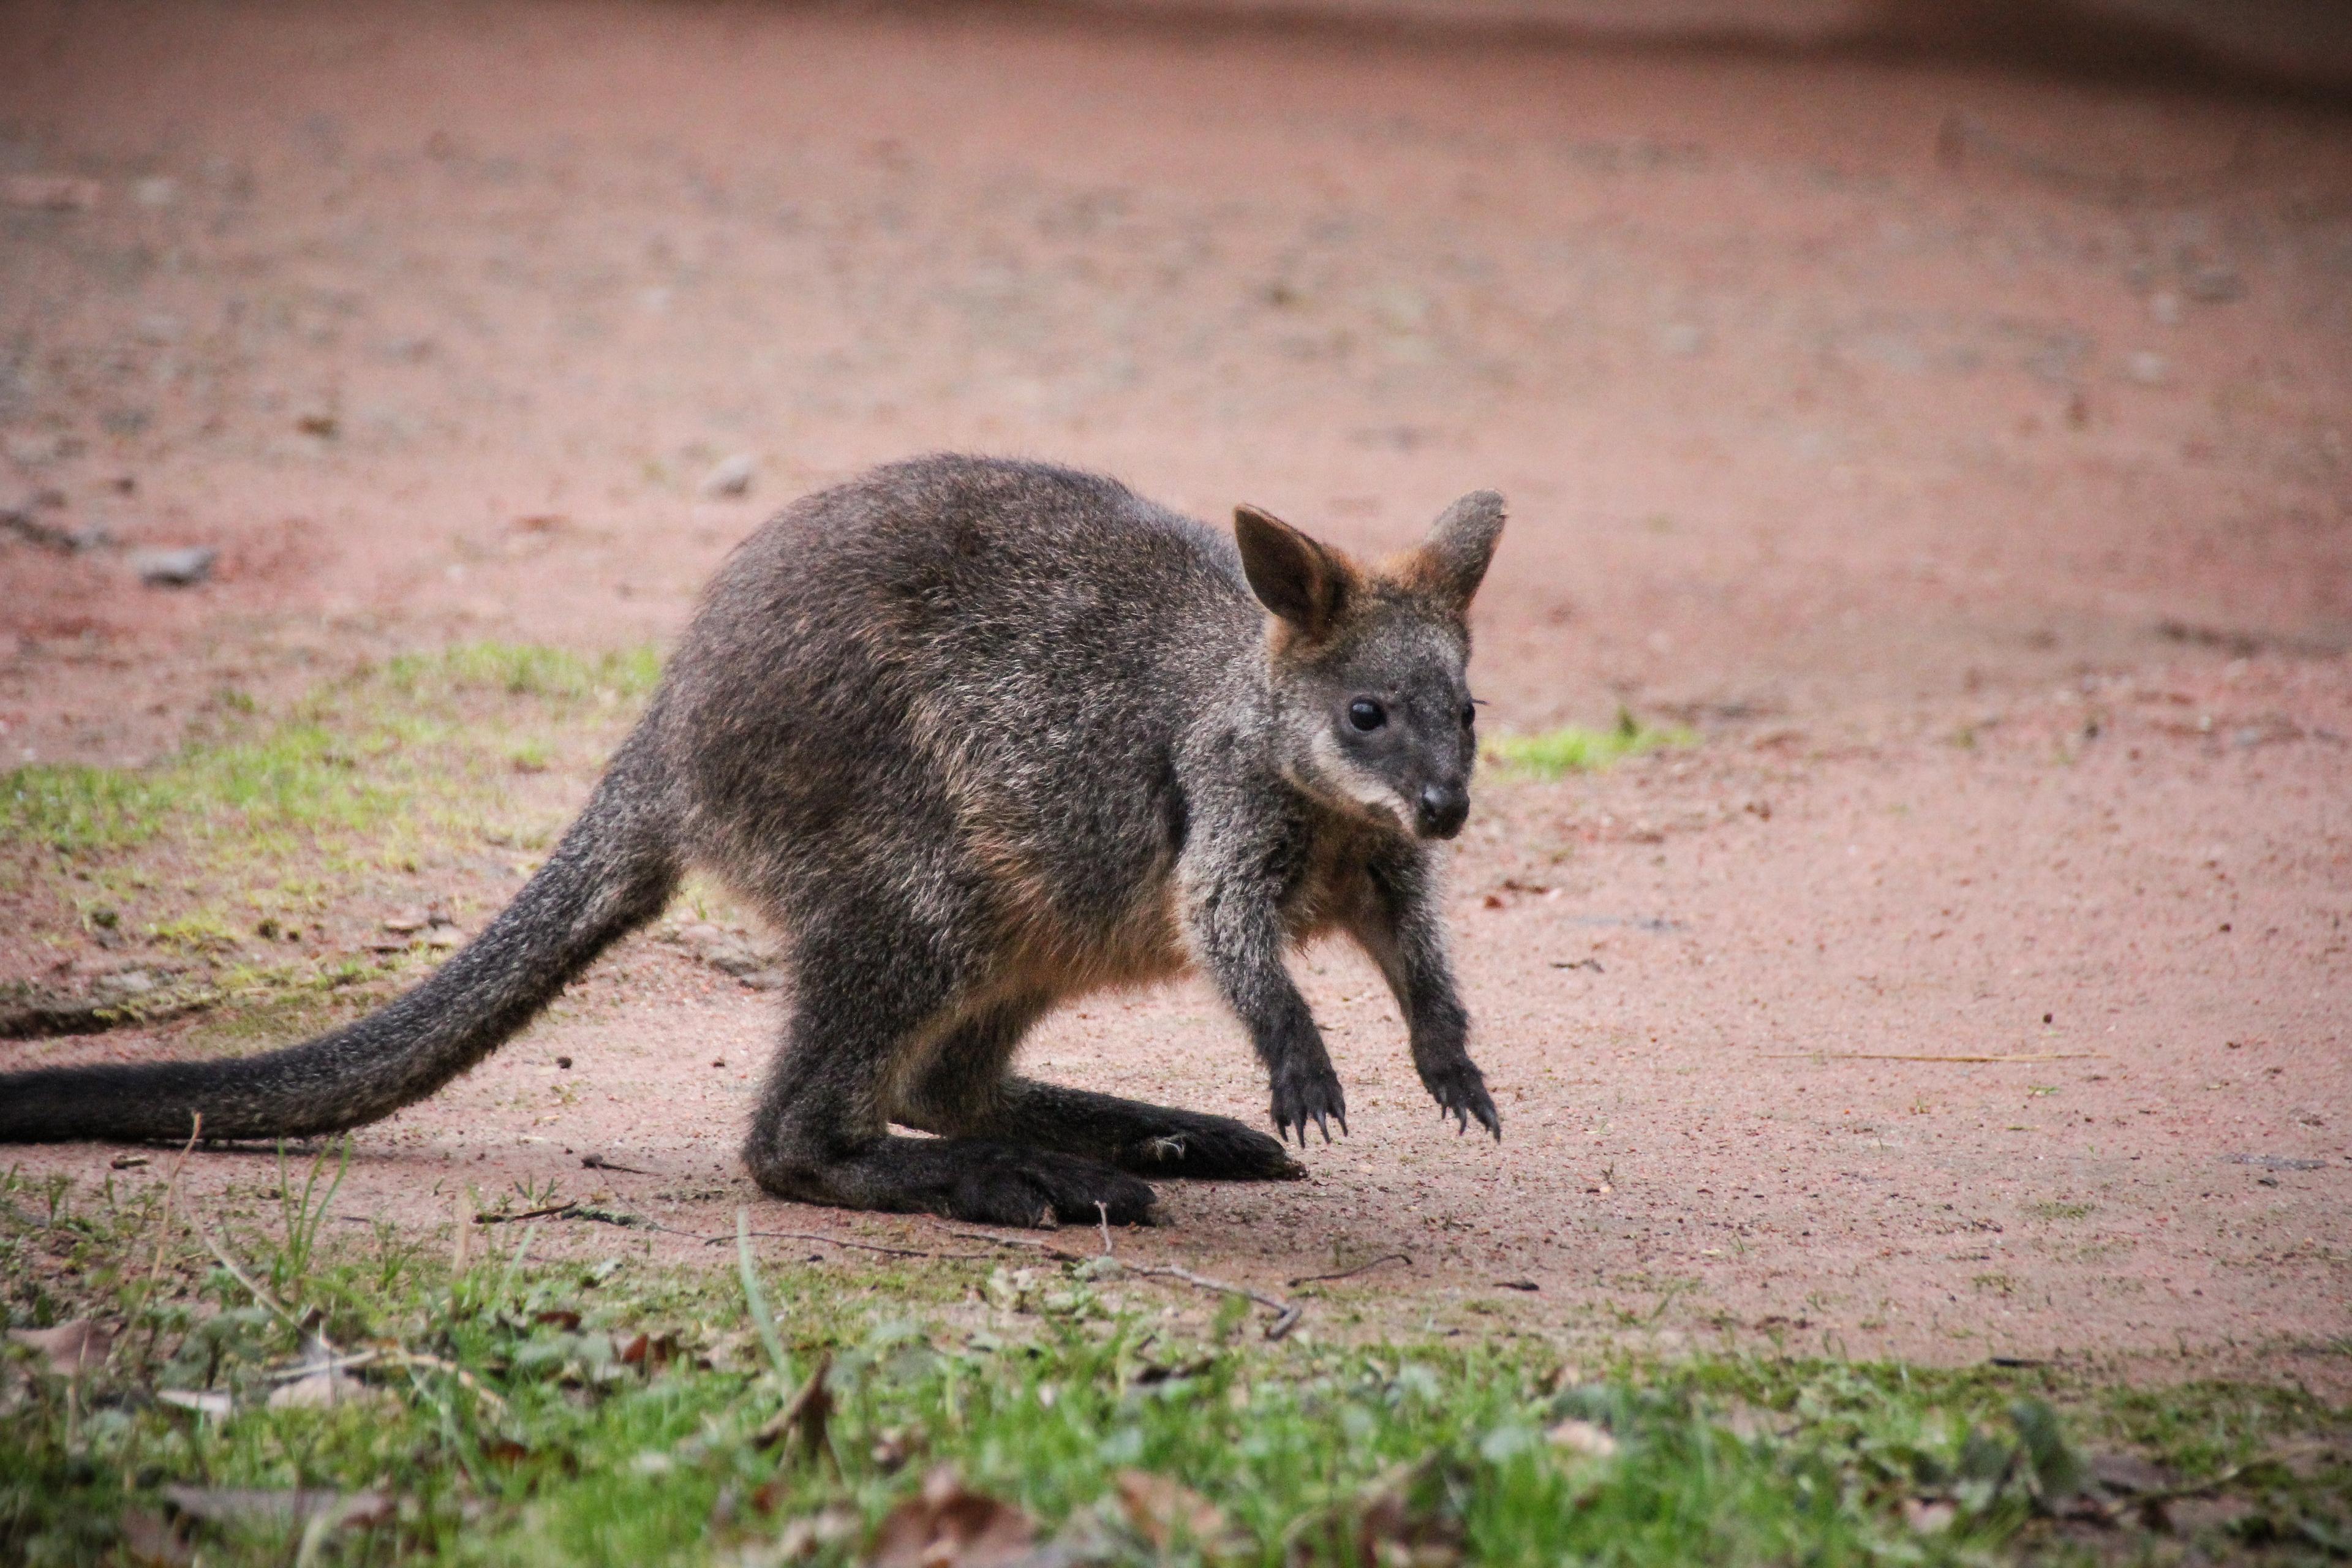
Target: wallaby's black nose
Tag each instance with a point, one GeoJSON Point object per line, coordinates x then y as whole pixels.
{"type": "Point", "coordinates": [1443, 809]}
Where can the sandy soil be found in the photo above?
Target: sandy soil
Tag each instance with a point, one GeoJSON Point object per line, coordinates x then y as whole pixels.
{"type": "Point", "coordinates": [1962, 454]}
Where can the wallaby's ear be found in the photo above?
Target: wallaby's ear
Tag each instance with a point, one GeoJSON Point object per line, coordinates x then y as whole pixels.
{"type": "Point", "coordinates": [1452, 562]}
{"type": "Point", "coordinates": [1292, 575]}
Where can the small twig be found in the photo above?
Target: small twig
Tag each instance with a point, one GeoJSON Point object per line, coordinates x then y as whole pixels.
{"type": "Point", "coordinates": [1285, 1313]}
{"type": "Point", "coordinates": [465, 1379]}
{"type": "Point", "coordinates": [1102, 1212]}
{"type": "Point", "coordinates": [257, 1293]}
{"type": "Point", "coordinates": [1351, 1273]}
{"type": "Point", "coordinates": [164, 1233]}
{"type": "Point", "coordinates": [836, 1241]}
{"type": "Point", "coordinates": [598, 1162]}
{"type": "Point", "coordinates": [1897, 1057]}
{"type": "Point", "coordinates": [527, 1214]}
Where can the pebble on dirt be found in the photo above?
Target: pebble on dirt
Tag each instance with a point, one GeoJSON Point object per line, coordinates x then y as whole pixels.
{"type": "Point", "coordinates": [732, 479]}
{"type": "Point", "coordinates": [181, 568]}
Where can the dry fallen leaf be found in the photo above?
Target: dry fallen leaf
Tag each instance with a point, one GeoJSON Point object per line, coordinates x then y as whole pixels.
{"type": "Point", "coordinates": [70, 1349]}
{"type": "Point", "coordinates": [202, 1400]}
{"type": "Point", "coordinates": [805, 1414]}
{"type": "Point", "coordinates": [1929, 1518]}
{"type": "Point", "coordinates": [893, 1446]}
{"type": "Point", "coordinates": [802, 1537]}
{"type": "Point", "coordinates": [950, 1526]}
{"type": "Point", "coordinates": [147, 1540]}
{"type": "Point", "coordinates": [330, 1385]}
{"type": "Point", "coordinates": [1384, 1527]}
{"type": "Point", "coordinates": [1583, 1437]}
{"type": "Point", "coordinates": [1390, 1534]}
{"type": "Point", "coordinates": [1165, 1513]}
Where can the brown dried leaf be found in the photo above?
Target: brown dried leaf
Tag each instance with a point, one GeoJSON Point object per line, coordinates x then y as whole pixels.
{"type": "Point", "coordinates": [1583, 1437]}
{"type": "Point", "coordinates": [70, 1349]}
{"type": "Point", "coordinates": [893, 1446]}
{"type": "Point", "coordinates": [805, 1414]}
{"type": "Point", "coordinates": [650, 1352]}
{"type": "Point", "coordinates": [1384, 1527]}
{"type": "Point", "coordinates": [149, 1541]}
{"type": "Point", "coordinates": [1165, 1513]}
{"type": "Point", "coordinates": [950, 1526]}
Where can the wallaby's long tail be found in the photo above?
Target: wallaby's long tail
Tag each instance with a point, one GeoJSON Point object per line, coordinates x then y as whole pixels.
{"type": "Point", "coordinates": [613, 871]}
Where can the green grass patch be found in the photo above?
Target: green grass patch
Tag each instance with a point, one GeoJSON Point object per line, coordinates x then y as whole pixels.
{"type": "Point", "coordinates": [1552, 754]}
{"type": "Point", "coordinates": [346, 759]}
{"type": "Point", "coordinates": [613, 1411]}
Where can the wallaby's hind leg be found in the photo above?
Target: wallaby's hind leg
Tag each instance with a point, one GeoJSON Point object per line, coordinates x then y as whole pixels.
{"type": "Point", "coordinates": [967, 1092]}
{"type": "Point", "coordinates": [821, 1134]}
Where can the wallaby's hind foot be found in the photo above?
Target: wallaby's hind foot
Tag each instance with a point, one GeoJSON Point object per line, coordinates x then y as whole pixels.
{"type": "Point", "coordinates": [1151, 1140]}
{"type": "Point", "coordinates": [977, 1180]}
{"type": "Point", "coordinates": [1211, 1149]}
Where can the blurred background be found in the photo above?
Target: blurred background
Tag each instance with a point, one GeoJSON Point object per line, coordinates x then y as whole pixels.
{"type": "Point", "coordinates": [1832, 353]}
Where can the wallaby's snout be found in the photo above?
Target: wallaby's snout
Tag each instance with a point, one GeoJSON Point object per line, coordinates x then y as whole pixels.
{"type": "Point", "coordinates": [1442, 809]}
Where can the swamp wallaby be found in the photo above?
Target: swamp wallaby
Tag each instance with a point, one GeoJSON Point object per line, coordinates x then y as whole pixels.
{"type": "Point", "coordinates": [978, 737]}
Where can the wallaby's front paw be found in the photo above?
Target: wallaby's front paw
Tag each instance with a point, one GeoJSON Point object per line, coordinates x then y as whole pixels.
{"type": "Point", "coordinates": [1460, 1091]}
{"type": "Point", "coordinates": [1302, 1095]}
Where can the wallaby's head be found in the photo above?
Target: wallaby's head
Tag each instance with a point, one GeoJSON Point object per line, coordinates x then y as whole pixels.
{"type": "Point", "coordinates": [1369, 665]}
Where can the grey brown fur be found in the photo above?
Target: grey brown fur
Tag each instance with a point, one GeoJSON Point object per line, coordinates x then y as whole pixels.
{"type": "Point", "coordinates": [978, 736]}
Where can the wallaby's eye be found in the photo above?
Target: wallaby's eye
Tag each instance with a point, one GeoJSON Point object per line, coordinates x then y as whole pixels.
{"type": "Point", "coordinates": [1366, 714]}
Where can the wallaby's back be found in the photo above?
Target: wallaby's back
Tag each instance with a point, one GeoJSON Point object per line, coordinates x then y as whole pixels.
{"type": "Point", "coordinates": [968, 672]}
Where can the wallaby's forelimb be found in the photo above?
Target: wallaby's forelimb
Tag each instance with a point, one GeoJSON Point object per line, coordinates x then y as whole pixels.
{"type": "Point", "coordinates": [1235, 880]}
{"type": "Point", "coordinates": [1400, 927]}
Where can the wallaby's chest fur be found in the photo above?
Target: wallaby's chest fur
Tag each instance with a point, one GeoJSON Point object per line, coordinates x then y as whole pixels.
{"type": "Point", "coordinates": [975, 736]}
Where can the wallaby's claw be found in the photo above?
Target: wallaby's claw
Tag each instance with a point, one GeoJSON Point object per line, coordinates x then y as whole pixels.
{"type": "Point", "coordinates": [1460, 1091]}
{"type": "Point", "coordinates": [1301, 1097]}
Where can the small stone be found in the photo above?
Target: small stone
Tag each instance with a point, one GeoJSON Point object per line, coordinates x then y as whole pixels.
{"type": "Point", "coordinates": [732, 479]}
{"type": "Point", "coordinates": [155, 191]}
{"type": "Point", "coordinates": [2164, 308]}
{"type": "Point", "coordinates": [2214, 285]}
{"type": "Point", "coordinates": [1681, 339]}
{"type": "Point", "coordinates": [408, 921]}
{"type": "Point", "coordinates": [2148, 369]}
{"type": "Point", "coordinates": [180, 568]}
{"type": "Point", "coordinates": [30, 451]}
{"type": "Point", "coordinates": [21, 522]}
{"type": "Point", "coordinates": [52, 192]}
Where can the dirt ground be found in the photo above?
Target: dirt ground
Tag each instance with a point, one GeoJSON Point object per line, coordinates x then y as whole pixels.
{"type": "Point", "coordinates": [1961, 454]}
